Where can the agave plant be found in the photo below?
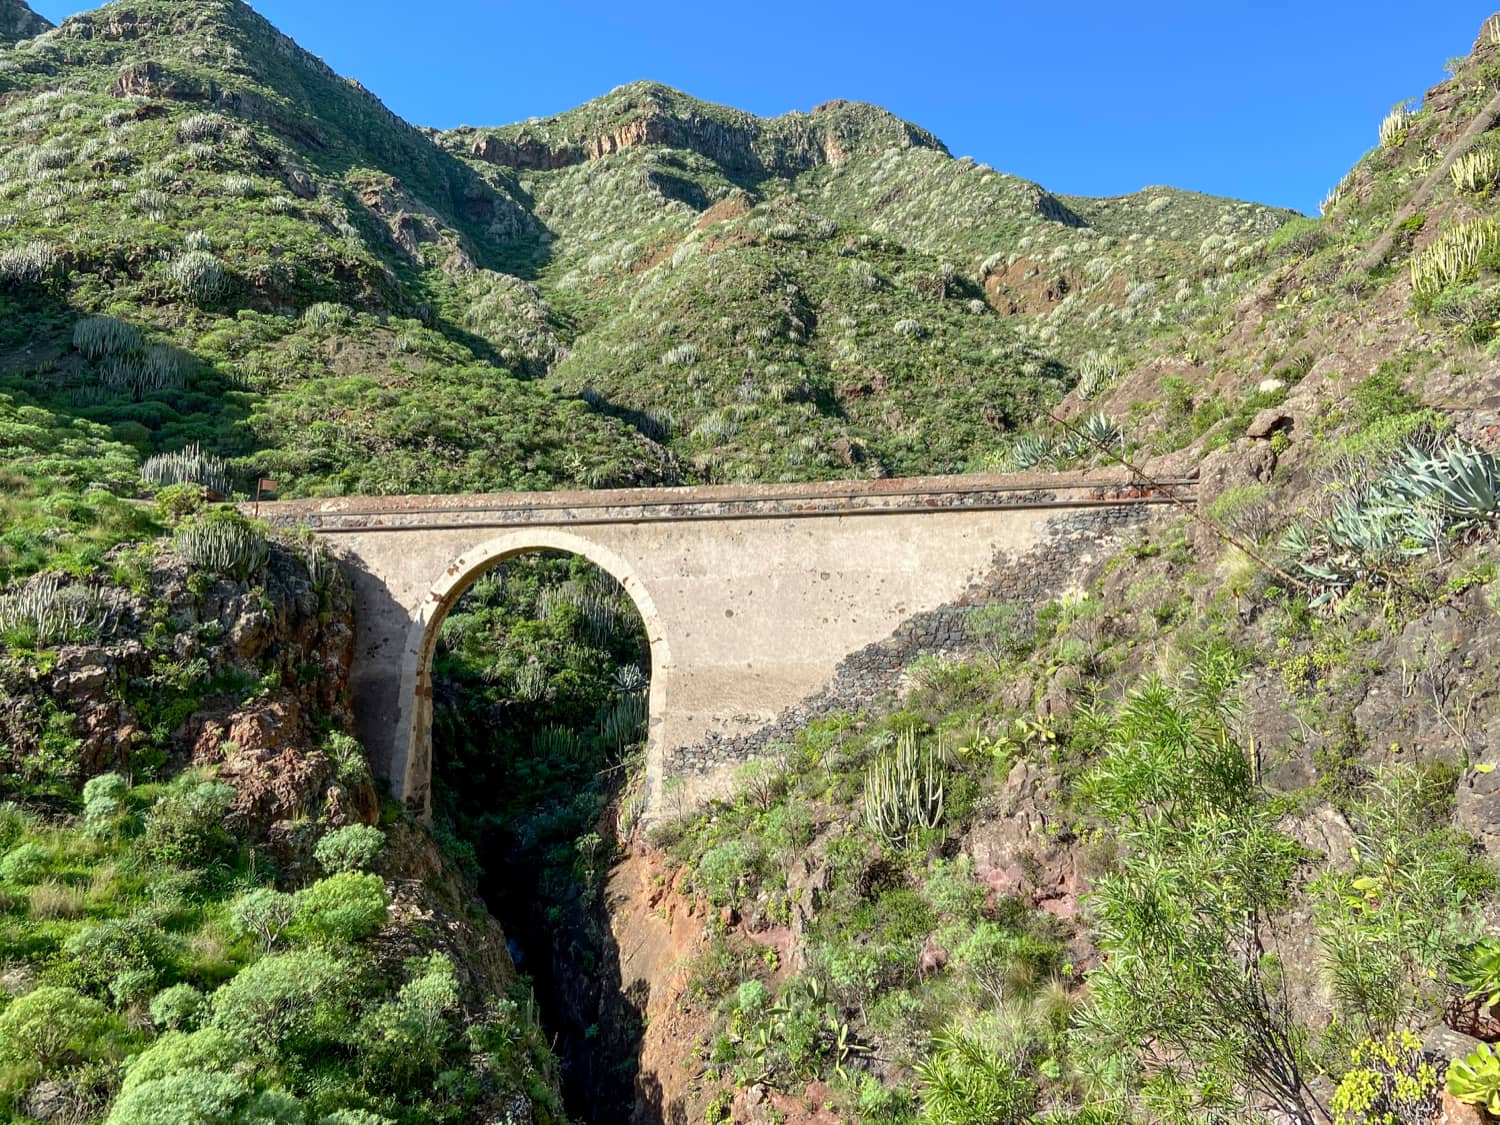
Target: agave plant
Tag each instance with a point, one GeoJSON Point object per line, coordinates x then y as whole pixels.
{"type": "Point", "coordinates": [1031, 450]}
{"type": "Point", "coordinates": [1099, 371]}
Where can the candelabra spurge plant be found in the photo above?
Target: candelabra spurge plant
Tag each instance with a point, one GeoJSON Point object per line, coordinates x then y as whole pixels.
{"type": "Point", "coordinates": [223, 544]}
{"type": "Point", "coordinates": [904, 791]}
{"type": "Point", "coordinates": [187, 466]}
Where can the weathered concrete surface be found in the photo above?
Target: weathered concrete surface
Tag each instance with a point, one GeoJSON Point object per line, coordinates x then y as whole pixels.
{"type": "Point", "coordinates": [753, 597]}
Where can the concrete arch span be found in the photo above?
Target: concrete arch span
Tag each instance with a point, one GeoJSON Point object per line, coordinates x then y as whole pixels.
{"type": "Point", "coordinates": [411, 766]}
{"type": "Point", "coordinates": [763, 604]}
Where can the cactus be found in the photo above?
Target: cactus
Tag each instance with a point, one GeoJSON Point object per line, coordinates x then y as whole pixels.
{"type": "Point", "coordinates": [1475, 172]}
{"type": "Point", "coordinates": [187, 466]}
{"type": "Point", "coordinates": [30, 263]}
{"type": "Point", "coordinates": [904, 791]}
{"type": "Point", "coordinates": [1454, 256]}
{"type": "Point", "coordinates": [623, 723]}
{"type": "Point", "coordinates": [224, 546]}
{"type": "Point", "coordinates": [200, 276]}
{"type": "Point", "coordinates": [557, 743]}
{"type": "Point", "coordinates": [100, 337]}
{"type": "Point", "coordinates": [45, 612]}
{"type": "Point", "coordinates": [1396, 126]}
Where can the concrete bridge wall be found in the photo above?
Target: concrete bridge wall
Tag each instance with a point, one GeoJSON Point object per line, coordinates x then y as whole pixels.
{"type": "Point", "coordinates": [763, 604]}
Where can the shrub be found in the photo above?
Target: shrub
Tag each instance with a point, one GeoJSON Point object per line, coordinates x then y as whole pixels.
{"type": "Point", "coordinates": [178, 1008]}
{"type": "Point", "coordinates": [223, 543]}
{"type": "Point", "coordinates": [99, 337]}
{"type": "Point", "coordinates": [344, 907]}
{"type": "Point", "coordinates": [404, 1039]}
{"type": "Point", "coordinates": [327, 314]}
{"type": "Point", "coordinates": [287, 1004]}
{"type": "Point", "coordinates": [52, 1028]}
{"type": "Point", "coordinates": [263, 913]}
{"type": "Point", "coordinates": [185, 827]}
{"type": "Point", "coordinates": [187, 466]}
{"type": "Point", "coordinates": [1392, 1080]}
{"type": "Point", "coordinates": [353, 848]}
{"type": "Point", "coordinates": [175, 1051]}
{"type": "Point", "coordinates": [199, 276]}
{"type": "Point", "coordinates": [964, 1082]}
{"type": "Point", "coordinates": [104, 798]}
{"type": "Point", "coordinates": [196, 1097]}
{"type": "Point", "coordinates": [124, 957]}
{"type": "Point", "coordinates": [24, 864]}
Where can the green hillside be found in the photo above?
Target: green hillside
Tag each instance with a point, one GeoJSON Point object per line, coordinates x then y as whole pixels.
{"type": "Point", "coordinates": [1210, 839]}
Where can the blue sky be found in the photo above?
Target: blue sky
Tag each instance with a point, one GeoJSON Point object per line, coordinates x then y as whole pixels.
{"type": "Point", "coordinates": [1267, 101]}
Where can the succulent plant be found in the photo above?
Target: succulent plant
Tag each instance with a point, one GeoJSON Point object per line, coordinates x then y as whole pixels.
{"type": "Point", "coordinates": [1475, 172]}
{"type": "Point", "coordinates": [1395, 127]}
{"type": "Point", "coordinates": [1030, 450]}
{"type": "Point", "coordinates": [223, 546]}
{"type": "Point", "coordinates": [187, 466]}
{"type": "Point", "coordinates": [904, 791]}
{"type": "Point", "coordinates": [1475, 1078]}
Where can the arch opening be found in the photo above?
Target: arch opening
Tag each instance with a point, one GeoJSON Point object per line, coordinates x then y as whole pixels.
{"type": "Point", "coordinates": [412, 765]}
{"type": "Point", "coordinates": [522, 651]}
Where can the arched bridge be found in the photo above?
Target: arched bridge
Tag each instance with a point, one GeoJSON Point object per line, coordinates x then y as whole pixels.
{"type": "Point", "coordinates": [764, 604]}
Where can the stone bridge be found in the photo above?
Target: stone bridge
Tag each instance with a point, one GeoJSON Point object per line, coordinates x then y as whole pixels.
{"type": "Point", "coordinates": [764, 605]}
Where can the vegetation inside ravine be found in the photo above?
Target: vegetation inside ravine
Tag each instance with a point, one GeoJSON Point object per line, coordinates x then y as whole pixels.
{"type": "Point", "coordinates": [1209, 837]}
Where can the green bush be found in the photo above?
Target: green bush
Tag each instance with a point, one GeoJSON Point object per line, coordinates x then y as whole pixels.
{"type": "Point", "coordinates": [352, 848]}
{"type": "Point", "coordinates": [964, 1082]}
{"type": "Point", "coordinates": [104, 800]}
{"type": "Point", "coordinates": [124, 956]}
{"type": "Point", "coordinates": [403, 1040]}
{"type": "Point", "coordinates": [343, 908]}
{"type": "Point", "coordinates": [185, 827]}
{"type": "Point", "coordinates": [52, 1027]}
{"type": "Point", "coordinates": [264, 914]}
{"type": "Point", "coordinates": [24, 864]}
{"type": "Point", "coordinates": [177, 1052]}
{"type": "Point", "coordinates": [287, 1004]}
{"type": "Point", "coordinates": [178, 1008]}
{"type": "Point", "coordinates": [186, 1098]}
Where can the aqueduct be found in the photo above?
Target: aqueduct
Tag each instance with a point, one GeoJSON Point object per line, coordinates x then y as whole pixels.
{"type": "Point", "coordinates": [763, 604]}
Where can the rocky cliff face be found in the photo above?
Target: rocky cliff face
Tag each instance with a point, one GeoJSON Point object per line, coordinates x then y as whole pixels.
{"type": "Point", "coordinates": [18, 22]}
{"type": "Point", "coordinates": [647, 113]}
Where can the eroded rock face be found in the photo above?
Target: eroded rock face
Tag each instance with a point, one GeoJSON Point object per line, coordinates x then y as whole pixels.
{"type": "Point", "coordinates": [18, 22]}
{"type": "Point", "coordinates": [237, 675]}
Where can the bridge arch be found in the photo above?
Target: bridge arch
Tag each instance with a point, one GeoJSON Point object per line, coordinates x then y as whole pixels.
{"type": "Point", "coordinates": [412, 770]}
